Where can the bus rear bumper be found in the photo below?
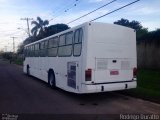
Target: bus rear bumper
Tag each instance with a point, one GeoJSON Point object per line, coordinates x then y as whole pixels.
{"type": "Point", "coordinates": [103, 87]}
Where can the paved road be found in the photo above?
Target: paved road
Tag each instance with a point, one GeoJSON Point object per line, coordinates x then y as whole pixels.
{"type": "Point", "coordinates": [22, 94]}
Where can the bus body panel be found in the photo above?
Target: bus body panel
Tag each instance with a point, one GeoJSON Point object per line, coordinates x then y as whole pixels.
{"type": "Point", "coordinates": [111, 53]}
{"type": "Point", "coordinates": [105, 49]}
{"type": "Point", "coordinates": [89, 88]}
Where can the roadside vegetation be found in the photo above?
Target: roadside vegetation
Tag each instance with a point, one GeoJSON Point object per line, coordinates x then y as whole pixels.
{"type": "Point", "coordinates": [12, 57]}
{"type": "Point", "coordinates": [148, 87]}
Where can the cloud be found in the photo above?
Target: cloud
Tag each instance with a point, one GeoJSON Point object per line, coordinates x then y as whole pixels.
{"type": "Point", "coordinates": [8, 28]}
{"type": "Point", "coordinates": [146, 10]}
{"type": "Point", "coordinates": [152, 25]}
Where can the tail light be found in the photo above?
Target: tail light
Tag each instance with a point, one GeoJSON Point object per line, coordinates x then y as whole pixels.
{"type": "Point", "coordinates": [88, 75]}
{"type": "Point", "coordinates": [134, 72]}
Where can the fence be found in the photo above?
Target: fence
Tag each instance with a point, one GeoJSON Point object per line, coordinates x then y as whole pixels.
{"type": "Point", "coordinates": [148, 56]}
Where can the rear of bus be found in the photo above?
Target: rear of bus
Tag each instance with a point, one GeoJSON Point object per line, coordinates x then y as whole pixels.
{"type": "Point", "coordinates": [110, 58]}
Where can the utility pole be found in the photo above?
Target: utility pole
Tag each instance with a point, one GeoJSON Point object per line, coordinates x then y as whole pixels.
{"type": "Point", "coordinates": [5, 48]}
{"type": "Point", "coordinates": [27, 19]}
{"type": "Point", "coordinates": [13, 44]}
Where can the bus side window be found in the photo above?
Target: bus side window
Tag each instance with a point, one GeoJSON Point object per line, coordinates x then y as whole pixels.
{"type": "Point", "coordinates": [53, 42]}
{"type": "Point", "coordinates": [62, 40]}
{"type": "Point", "coordinates": [36, 49]}
{"type": "Point", "coordinates": [65, 45]}
{"type": "Point", "coordinates": [25, 52]}
{"type": "Point", "coordinates": [46, 44]}
{"type": "Point", "coordinates": [52, 47]}
{"type": "Point", "coordinates": [78, 35]}
{"type": "Point", "coordinates": [69, 38]}
{"type": "Point", "coordinates": [39, 49]}
{"type": "Point", "coordinates": [45, 48]}
{"type": "Point", "coordinates": [42, 49]}
{"type": "Point", "coordinates": [30, 51]}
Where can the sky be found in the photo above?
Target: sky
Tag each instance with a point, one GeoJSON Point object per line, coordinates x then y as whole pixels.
{"type": "Point", "coordinates": [147, 12]}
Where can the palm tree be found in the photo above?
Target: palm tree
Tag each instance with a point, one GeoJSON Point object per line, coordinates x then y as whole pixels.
{"type": "Point", "coordinates": [39, 27]}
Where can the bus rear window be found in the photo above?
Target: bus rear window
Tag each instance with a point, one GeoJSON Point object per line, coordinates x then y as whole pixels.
{"type": "Point", "coordinates": [78, 35]}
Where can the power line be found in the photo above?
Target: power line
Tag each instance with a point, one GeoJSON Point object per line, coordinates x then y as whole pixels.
{"type": "Point", "coordinates": [65, 9]}
{"type": "Point", "coordinates": [91, 11]}
{"type": "Point", "coordinates": [115, 10]}
{"type": "Point", "coordinates": [74, 5]}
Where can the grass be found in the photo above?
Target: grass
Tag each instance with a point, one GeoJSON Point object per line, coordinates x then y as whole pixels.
{"type": "Point", "coordinates": [18, 61]}
{"type": "Point", "coordinates": [148, 85]}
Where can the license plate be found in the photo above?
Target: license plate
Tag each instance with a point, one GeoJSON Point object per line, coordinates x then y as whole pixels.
{"type": "Point", "coordinates": [114, 72]}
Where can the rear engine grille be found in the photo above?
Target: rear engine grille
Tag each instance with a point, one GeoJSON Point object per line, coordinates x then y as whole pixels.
{"type": "Point", "coordinates": [125, 65]}
{"type": "Point", "coordinates": [101, 64]}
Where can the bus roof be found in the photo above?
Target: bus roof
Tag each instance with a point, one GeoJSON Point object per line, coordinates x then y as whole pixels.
{"type": "Point", "coordinates": [86, 23]}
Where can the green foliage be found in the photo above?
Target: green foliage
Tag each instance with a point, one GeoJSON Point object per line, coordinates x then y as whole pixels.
{"type": "Point", "coordinates": [53, 29]}
{"type": "Point", "coordinates": [140, 33]}
{"type": "Point", "coordinates": [133, 24]}
{"type": "Point", "coordinates": [18, 61]}
{"type": "Point", "coordinates": [39, 26]}
{"type": "Point", "coordinates": [148, 85]}
{"type": "Point", "coordinates": [7, 55]}
{"type": "Point", "coordinates": [140, 30]}
{"type": "Point", "coordinates": [149, 79]}
{"type": "Point", "coordinates": [143, 36]}
{"type": "Point", "coordinates": [20, 48]}
{"type": "Point", "coordinates": [40, 31]}
{"type": "Point", "coordinates": [152, 37]}
{"type": "Point", "coordinates": [12, 57]}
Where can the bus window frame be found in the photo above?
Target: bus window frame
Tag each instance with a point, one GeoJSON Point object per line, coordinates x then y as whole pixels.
{"type": "Point", "coordinates": [51, 40]}
{"type": "Point", "coordinates": [79, 29]}
{"type": "Point", "coordinates": [56, 37]}
{"type": "Point", "coordinates": [66, 44]}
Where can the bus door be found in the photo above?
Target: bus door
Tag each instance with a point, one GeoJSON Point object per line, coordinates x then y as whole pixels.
{"type": "Point", "coordinates": [72, 73]}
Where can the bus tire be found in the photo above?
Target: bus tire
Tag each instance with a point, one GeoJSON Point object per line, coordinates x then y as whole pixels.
{"type": "Point", "coordinates": [51, 79]}
{"type": "Point", "coordinates": [28, 71]}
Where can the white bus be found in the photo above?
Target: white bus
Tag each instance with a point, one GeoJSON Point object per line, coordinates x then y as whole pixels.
{"type": "Point", "coordinates": [92, 57]}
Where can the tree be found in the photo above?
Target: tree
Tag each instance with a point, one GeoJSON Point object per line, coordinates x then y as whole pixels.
{"type": "Point", "coordinates": [152, 37]}
{"type": "Point", "coordinates": [133, 24]}
{"type": "Point", "coordinates": [20, 49]}
{"type": "Point", "coordinates": [40, 26]}
{"type": "Point", "coordinates": [140, 30]}
{"type": "Point", "coordinates": [53, 29]}
{"type": "Point", "coordinates": [50, 30]}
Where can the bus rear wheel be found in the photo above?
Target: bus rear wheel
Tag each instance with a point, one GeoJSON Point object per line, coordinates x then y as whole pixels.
{"type": "Point", "coordinates": [51, 79]}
